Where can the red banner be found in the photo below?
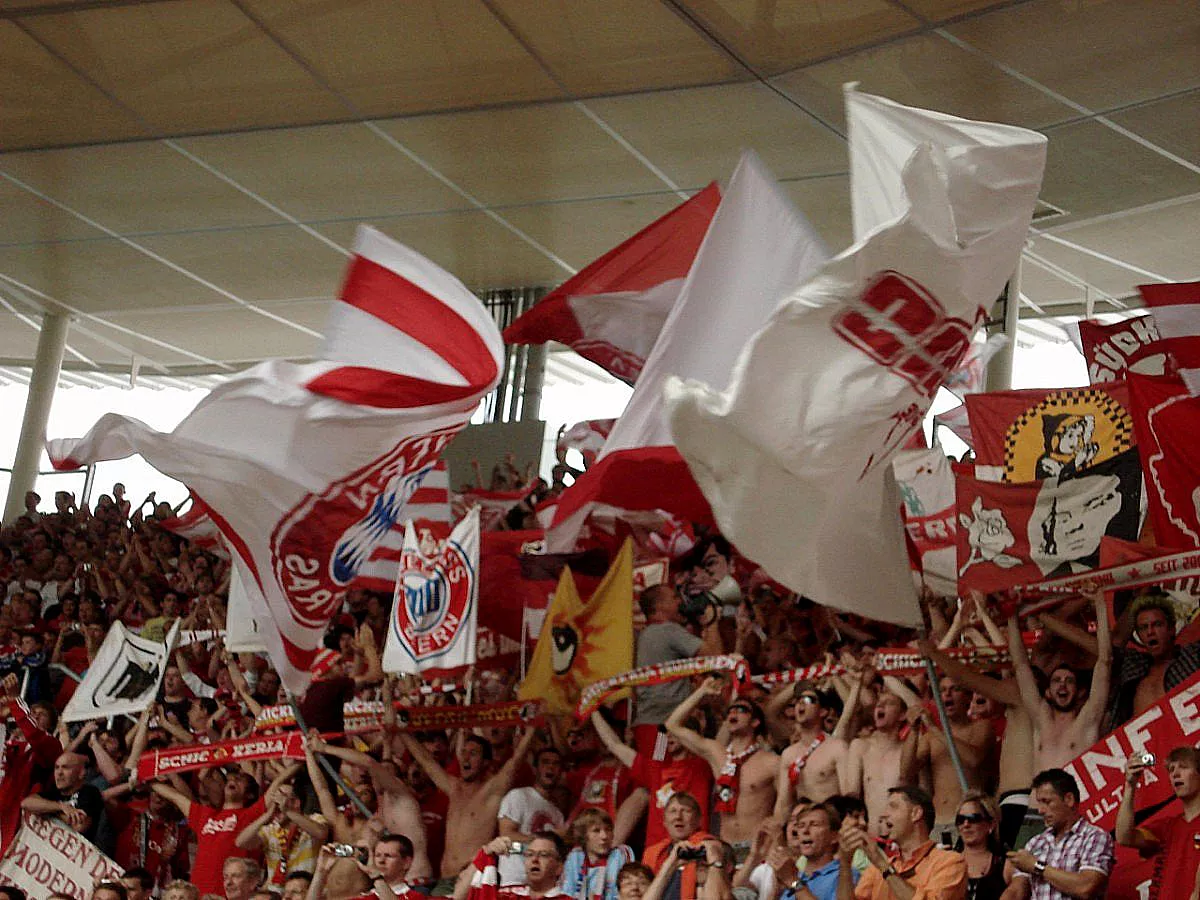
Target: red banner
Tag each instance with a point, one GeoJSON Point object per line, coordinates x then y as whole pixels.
{"type": "Point", "coordinates": [1112, 350]}
{"type": "Point", "coordinates": [1166, 419]}
{"type": "Point", "coordinates": [1037, 434]}
{"type": "Point", "coordinates": [204, 756]}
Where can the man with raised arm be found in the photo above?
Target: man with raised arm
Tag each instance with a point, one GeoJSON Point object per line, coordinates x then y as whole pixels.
{"type": "Point", "coordinates": [1016, 749]}
{"type": "Point", "coordinates": [745, 769]}
{"type": "Point", "coordinates": [928, 751]}
{"type": "Point", "coordinates": [1064, 723]}
{"type": "Point", "coordinates": [1175, 839]}
{"type": "Point", "coordinates": [474, 796]}
{"type": "Point", "coordinates": [813, 764]}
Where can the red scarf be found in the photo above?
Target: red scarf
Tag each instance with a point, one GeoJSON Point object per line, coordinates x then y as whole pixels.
{"type": "Point", "coordinates": [727, 781]}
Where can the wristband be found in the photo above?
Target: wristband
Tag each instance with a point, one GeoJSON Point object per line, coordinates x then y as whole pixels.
{"type": "Point", "coordinates": [1039, 868]}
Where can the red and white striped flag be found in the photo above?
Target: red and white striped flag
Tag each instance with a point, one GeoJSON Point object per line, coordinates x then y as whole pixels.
{"type": "Point", "coordinates": [429, 512]}
{"type": "Point", "coordinates": [197, 528]}
{"type": "Point", "coordinates": [306, 469]}
{"type": "Point", "coordinates": [1176, 310]}
{"type": "Point", "coordinates": [613, 310]}
{"type": "Point", "coordinates": [493, 505]}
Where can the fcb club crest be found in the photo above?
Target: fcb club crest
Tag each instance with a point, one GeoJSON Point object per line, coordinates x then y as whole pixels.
{"type": "Point", "coordinates": [1066, 432]}
{"type": "Point", "coordinates": [331, 538]}
{"type": "Point", "coordinates": [434, 610]}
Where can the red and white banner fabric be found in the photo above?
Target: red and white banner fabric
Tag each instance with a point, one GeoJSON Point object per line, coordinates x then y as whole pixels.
{"type": "Point", "coordinates": [362, 716]}
{"type": "Point", "coordinates": [197, 528]}
{"type": "Point", "coordinates": [795, 455]}
{"type": "Point", "coordinates": [307, 468]}
{"type": "Point", "coordinates": [1176, 309]}
{"type": "Point", "coordinates": [1131, 345]}
{"type": "Point", "coordinates": [613, 310]}
{"type": "Point", "coordinates": [429, 510]}
{"type": "Point", "coordinates": [1011, 534]}
{"type": "Point", "coordinates": [1166, 419]}
{"type": "Point", "coordinates": [587, 437]}
{"type": "Point", "coordinates": [222, 753]}
{"type": "Point", "coordinates": [1040, 433]}
{"type": "Point", "coordinates": [48, 857]}
{"type": "Point", "coordinates": [926, 484]}
{"type": "Point", "coordinates": [493, 506]}
{"type": "Point", "coordinates": [436, 605]}
{"type": "Point", "coordinates": [756, 247]}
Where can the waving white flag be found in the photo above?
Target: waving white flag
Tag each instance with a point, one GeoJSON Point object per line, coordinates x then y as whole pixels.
{"type": "Point", "coordinates": [795, 456]}
{"type": "Point", "coordinates": [436, 607]}
{"type": "Point", "coordinates": [306, 468]}
{"type": "Point", "coordinates": [123, 678]}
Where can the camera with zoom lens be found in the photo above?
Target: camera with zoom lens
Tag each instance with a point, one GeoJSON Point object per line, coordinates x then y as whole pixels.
{"type": "Point", "coordinates": [691, 854]}
{"type": "Point", "coordinates": [349, 851]}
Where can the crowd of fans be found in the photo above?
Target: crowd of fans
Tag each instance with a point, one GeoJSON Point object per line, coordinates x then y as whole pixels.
{"type": "Point", "coordinates": [843, 787]}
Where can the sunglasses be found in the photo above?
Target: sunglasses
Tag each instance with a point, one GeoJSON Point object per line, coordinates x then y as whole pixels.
{"type": "Point", "coordinates": [810, 699]}
{"type": "Point", "coordinates": [971, 819]}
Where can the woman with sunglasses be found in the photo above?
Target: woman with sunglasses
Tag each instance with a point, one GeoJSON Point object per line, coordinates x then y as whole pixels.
{"type": "Point", "coordinates": [976, 821]}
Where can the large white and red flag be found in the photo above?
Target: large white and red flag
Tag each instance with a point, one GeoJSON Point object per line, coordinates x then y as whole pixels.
{"type": "Point", "coordinates": [613, 310]}
{"type": "Point", "coordinates": [1176, 309]}
{"type": "Point", "coordinates": [795, 455]}
{"type": "Point", "coordinates": [757, 247]}
{"type": "Point", "coordinates": [307, 468]}
{"type": "Point", "coordinates": [436, 606]}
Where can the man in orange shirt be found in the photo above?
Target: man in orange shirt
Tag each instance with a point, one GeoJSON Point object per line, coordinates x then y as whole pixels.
{"type": "Point", "coordinates": [919, 871]}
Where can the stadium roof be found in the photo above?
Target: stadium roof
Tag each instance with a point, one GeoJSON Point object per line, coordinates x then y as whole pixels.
{"type": "Point", "coordinates": [185, 176]}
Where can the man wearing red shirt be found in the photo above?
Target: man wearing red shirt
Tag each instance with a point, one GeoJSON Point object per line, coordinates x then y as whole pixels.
{"type": "Point", "coordinates": [679, 771]}
{"type": "Point", "coordinates": [1175, 840]}
{"type": "Point", "coordinates": [216, 830]}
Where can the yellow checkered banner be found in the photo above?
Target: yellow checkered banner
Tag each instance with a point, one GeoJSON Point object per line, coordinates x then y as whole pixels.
{"type": "Point", "coordinates": [1034, 434]}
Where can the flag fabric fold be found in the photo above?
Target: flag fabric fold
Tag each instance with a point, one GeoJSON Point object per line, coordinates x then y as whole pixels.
{"type": "Point", "coordinates": [1176, 310]}
{"type": "Point", "coordinates": [612, 311]}
{"type": "Point", "coordinates": [795, 455]}
{"type": "Point", "coordinates": [123, 678]}
{"type": "Point", "coordinates": [926, 484]}
{"type": "Point", "coordinates": [756, 248]}
{"type": "Point", "coordinates": [436, 605]}
{"type": "Point", "coordinates": [583, 642]}
{"type": "Point", "coordinates": [1166, 419]}
{"type": "Point", "coordinates": [307, 468]}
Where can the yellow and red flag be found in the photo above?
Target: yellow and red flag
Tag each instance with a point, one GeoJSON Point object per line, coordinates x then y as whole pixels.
{"type": "Point", "coordinates": [583, 642]}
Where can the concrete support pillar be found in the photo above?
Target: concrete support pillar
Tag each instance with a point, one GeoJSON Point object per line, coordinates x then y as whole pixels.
{"type": "Point", "coordinates": [535, 377]}
{"type": "Point", "coordinates": [52, 340]}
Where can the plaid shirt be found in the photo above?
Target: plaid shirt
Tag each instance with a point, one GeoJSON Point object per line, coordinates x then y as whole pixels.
{"type": "Point", "coordinates": [1084, 847]}
{"type": "Point", "coordinates": [1130, 666]}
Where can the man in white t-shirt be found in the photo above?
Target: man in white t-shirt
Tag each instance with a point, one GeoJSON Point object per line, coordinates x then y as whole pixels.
{"type": "Point", "coordinates": [526, 811]}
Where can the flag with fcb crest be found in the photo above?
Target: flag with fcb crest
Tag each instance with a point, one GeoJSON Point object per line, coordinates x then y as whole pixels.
{"type": "Point", "coordinates": [307, 468]}
{"type": "Point", "coordinates": [1028, 435]}
{"type": "Point", "coordinates": [1011, 534]}
{"type": "Point", "coordinates": [795, 454]}
{"type": "Point", "coordinates": [582, 642]}
{"type": "Point", "coordinates": [434, 613]}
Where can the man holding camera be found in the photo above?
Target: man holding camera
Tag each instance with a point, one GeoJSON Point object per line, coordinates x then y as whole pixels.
{"type": "Point", "coordinates": [1174, 839]}
{"type": "Point", "coordinates": [543, 857]}
{"type": "Point", "coordinates": [666, 639]}
{"type": "Point", "coordinates": [687, 843]}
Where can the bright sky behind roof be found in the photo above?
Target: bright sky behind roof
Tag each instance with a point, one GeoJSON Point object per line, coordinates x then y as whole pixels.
{"type": "Point", "coordinates": [76, 409]}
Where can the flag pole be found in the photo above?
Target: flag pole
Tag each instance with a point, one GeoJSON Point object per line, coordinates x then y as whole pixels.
{"type": "Point", "coordinates": [955, 759]}
{"type": "Point", "coordinates": [325, 763]}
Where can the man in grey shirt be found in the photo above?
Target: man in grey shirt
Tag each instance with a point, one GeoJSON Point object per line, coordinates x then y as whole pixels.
{"type": "Point", "coordinates": [664, 639]}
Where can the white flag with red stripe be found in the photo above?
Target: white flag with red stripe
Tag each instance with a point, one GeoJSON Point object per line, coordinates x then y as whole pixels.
{"type": "Point", "coordinates": [795, 455]}
{"type": "Point", "coordinates": [613, 310]}
{"type": "Point", "coordinates": [1176, 309]}
{"type": "Point", "coordinates": [307, 468]}
{"type": "Point", "coordinates": [197, 528]}
{"type": "Point", "coordinates": [756, 249]}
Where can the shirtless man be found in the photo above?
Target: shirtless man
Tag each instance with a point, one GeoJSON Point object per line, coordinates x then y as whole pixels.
{"type": "Point", "coordinates": [397, 810]}
{"type": "Point", "coordinates": [929, 753]}
{"type": "Point", "coordinates": [474, 796]}
{"type": "Point", "coordinates": [745, 770]}
{"type": "Point", "coordinates": [813, 764]}
{"type": "Point", "coordinates": [873, 763]}
{"type": "Point", "coordinates": [1063, 727]}
{"type": "Point", "coordinates": [1017, 766]}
